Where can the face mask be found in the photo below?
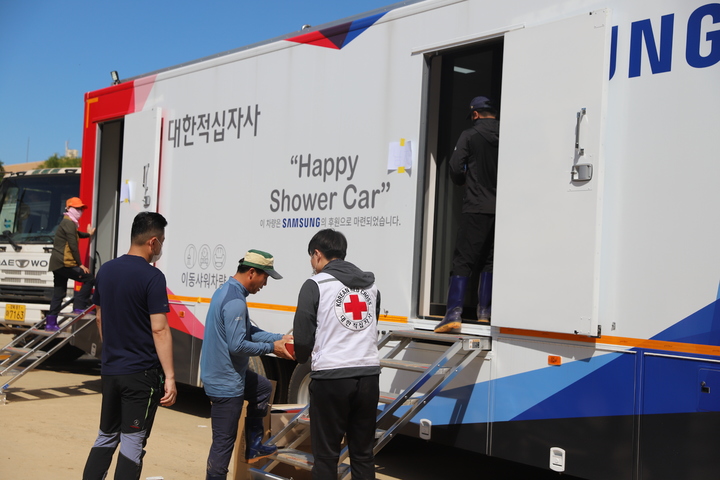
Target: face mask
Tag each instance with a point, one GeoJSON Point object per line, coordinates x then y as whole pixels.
{"type": "Point", "coordinates": [74, 214]}
{"type": "Point", "coordinates": [157, 256]}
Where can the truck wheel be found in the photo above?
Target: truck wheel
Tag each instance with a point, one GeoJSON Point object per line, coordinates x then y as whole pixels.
{"type": "Point", "coordinates": [256, 365]}
{"type": "Point", "coordinates": [299, 389]}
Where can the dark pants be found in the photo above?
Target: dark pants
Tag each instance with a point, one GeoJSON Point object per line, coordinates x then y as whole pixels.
{"type": "Point", "coordinates": [129, 403]}
{"type": "Point", "coordinates": [344, 406]}
{"type": "Point", "coordinates": [225, 414]}
{"type": "Point", "coordinates": [81, 299]}
{"type": "Point", "coordinates": [475, 244]}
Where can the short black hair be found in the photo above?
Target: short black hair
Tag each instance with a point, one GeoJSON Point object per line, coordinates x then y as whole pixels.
{"type": "Point", "coordinates": [147, 225]}
{"type": "Point", "coordinates": [331, 243]}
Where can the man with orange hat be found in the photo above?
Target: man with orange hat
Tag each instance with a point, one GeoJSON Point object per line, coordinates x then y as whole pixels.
{"type": "Point", "coordinates": [65, 263]}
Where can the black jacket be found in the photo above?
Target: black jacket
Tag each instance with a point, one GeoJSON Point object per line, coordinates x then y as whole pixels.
{"type": "Point", "coordinates": [65, 251]}
{"type": "Point", "coordinates": [474, 163]}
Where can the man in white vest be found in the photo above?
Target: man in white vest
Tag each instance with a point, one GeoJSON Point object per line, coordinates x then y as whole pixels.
{"type": "Point", "coordinates": [336, 328]}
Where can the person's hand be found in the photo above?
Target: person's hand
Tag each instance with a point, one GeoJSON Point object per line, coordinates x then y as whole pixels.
{"type": "Point", "coordinates": [170, 393]}
{"type": "Point", "coordinates": [84, 269]}
{"type": "Point", "coordinates": [280, 350]}
{"type": "Point", "coordinates": [288, 338]}
{"type": "Point", "coordinates": [91, 230]}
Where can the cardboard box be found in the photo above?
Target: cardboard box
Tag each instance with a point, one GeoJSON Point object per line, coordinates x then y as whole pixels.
{"type": "Point", "coordinates": [280, 416]}
{"type": "Point", "coordinates": [240, 468]}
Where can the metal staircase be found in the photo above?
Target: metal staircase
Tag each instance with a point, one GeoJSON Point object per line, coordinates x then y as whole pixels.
{"type": "Point", "coordinates": [26, 352]}
{"type": "Point", "coordinates": [460, 351]}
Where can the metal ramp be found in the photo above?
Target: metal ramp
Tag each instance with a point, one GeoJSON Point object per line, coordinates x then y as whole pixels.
{"type": "Point", "coordinates": [460, 351]}
{"type": "Point", "coordinates": [25, 352]}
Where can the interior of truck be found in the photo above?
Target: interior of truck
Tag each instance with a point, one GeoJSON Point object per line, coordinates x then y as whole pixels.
{"type": "Point", "coordinates": [455, 77]}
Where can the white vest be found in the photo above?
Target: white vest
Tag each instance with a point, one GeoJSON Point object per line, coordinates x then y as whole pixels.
{"type": "Point", "coordinates": [346, 334]}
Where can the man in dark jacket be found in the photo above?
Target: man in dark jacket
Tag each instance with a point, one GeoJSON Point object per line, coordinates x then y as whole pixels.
{"type": "Point", "coordinates": [336, 327]}
{"type": "Point", "coordinates": [474, 164]}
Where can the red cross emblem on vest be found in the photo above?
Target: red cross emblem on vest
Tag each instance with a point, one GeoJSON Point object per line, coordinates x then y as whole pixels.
{"type": "Point", "coordinates": [356, 307]}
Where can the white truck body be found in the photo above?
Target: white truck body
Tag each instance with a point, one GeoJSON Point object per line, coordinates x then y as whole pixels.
{"type": "Point", "coordinates": [31, 207]}
{"type": "Point", "coordinates": [605, 328]}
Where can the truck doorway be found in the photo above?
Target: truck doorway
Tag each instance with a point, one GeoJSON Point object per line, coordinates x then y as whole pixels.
{"type": "Point", "coordinates": [108, 190]}
{"type": "Point", "coordinates": [127, 178]}
{"type": "Point", "coordinates": [455, 77]}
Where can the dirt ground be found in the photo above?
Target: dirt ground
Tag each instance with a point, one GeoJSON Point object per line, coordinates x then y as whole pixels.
{"type": "Point", "coordinates": [51, 420]}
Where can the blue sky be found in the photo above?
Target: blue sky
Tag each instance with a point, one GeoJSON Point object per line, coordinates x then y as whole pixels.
{"type": "Point", "coordinates": [53, 51]}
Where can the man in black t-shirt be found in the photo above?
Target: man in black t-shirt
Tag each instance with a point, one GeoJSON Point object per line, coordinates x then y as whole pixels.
{"type": "Point", "coordinates": [474, 164]}
{"type": "Point", "coordinates": [137, 362]}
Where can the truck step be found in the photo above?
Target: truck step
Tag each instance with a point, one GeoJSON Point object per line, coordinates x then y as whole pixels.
{"type": "Point", "coordinates": [87, 316]}
{"type": "Point", "coordinates": [19, 360]}
{"type": "Point", "coordinates": [17, 350]}
{"type": "Point", "coordinates": [256, 474]}
{"type": "Point", "coordinates": [447, 338]}
{"type": "Point", "coordinates": [23, 351]}
{"type": "Point", "coordinates": [45, 333]}
{"type": "Point", "coordinates": [470, 342]}
{"type": "Point", "coordinates": [388, 398]}
{"type": "Point", "coordinates": [296, 458]}
{"type": "Point", "coordinates": [404, 365]}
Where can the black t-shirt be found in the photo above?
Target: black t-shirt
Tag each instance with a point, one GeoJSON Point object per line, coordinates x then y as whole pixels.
{"type": "Point", "coordinates": [128, 290]}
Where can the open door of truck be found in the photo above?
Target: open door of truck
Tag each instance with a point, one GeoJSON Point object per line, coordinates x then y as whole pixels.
{"type": "Point", "coordinates": [550, 176]}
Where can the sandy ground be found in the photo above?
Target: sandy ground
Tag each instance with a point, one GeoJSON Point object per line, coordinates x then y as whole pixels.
{"type": "Point", "coordinates": [51, 420]}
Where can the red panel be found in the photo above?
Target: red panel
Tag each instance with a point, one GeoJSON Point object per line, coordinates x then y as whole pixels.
{"type": "Point", "coordinates": [182, 319]}
{"type": "Point", "coordinates": [314, 38]}
{"type": "Point", "coordinates": [103, 105]}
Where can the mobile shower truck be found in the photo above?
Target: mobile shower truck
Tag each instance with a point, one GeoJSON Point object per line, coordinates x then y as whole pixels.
{"type": "Point", "coordinates": [605, 329]}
